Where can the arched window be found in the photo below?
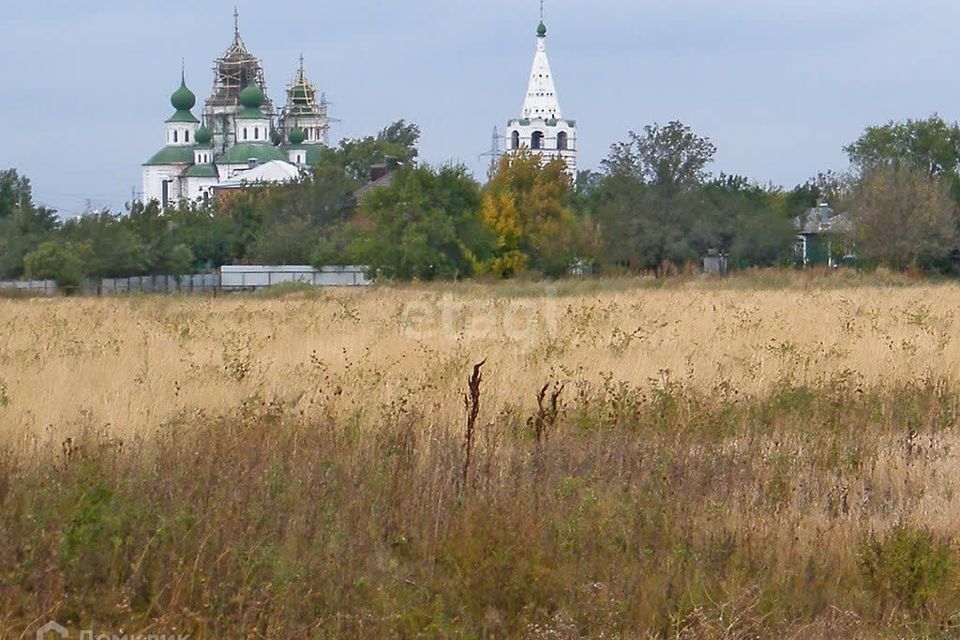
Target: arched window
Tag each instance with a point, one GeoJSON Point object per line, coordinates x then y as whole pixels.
{"type": "Point", "coordinates": [244, 133]}
{"type": "Point", "coordinates": [256, 133]}
{"type": "Point", "coordinates": [536, 141]}
{"type": "Point", "coordinates": [562, 141]}
{"type": "Point", "coordinates": [175, 135]}
{"type": "Point", "coordinates": [186, 136]}
{"type": "Point", "coordinates": [515, 140]}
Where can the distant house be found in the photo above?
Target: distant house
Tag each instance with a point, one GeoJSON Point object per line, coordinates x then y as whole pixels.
{"type": "Point", "coordinates": [820, 237]}
{"type": "Point", "coordinates": [380, 176]}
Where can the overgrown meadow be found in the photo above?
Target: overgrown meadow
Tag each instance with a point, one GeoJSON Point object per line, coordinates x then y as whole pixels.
{"type": "Point", "coordinates": [773, 455]}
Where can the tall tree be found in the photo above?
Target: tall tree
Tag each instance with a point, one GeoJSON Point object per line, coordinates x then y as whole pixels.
{"type": "Point", "coordinates": [527, 205]}
{"type": "Point", "coordinates": [904, 217]}
{"type": "Point", "coordinates": [671, 158]}
{"type": "Point", "coordinates": [23, 225]}
{"type": "Point", "coordinates": [395, 146]}
{"type": "Point", "coordinates": [650, 204]}
{"type": "Point", "coordinates": [931, 146]}
{"type": "Point", "coordinates": [424, 226]}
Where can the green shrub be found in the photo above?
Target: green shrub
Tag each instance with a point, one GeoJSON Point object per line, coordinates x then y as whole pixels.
{"type": "Point", "coordinates": [905, 568]}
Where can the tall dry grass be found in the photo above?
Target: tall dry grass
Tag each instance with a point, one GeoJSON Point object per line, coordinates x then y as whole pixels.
{"type": "Point", "coordinates": [136, 363]}
{"type": "Point", "coordinates": [702, 460]}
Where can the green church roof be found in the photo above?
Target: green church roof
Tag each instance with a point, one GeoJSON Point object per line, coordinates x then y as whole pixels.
{"type": "Point", "coordinates": [171, 155]}
{"type": "Point", "coordinates": [183, 99]}
{"type": "Point", "coordinates": [203, 136]}
{"type": "Point", "coordinates": [251, 113]}
{"type": "Point", "coordinates": [252, 97]}
{"type": "Point", "coordinates": [183, 117]}
{"type": "Point", "coordinates": [201, 171]}
{"type": "Point", "coordinates": [542, 30]}
{"type": "Point", "coordinates": [297, 136]}
{"type": "Point", "coordinates": [242, 153]}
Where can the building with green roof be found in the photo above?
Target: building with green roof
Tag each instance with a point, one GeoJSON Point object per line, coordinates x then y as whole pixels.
{"type": "Point", "coordinates": [237, 133]}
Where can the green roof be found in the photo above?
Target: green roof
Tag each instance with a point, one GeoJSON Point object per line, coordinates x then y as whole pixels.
{"type": "Point", "coordinates": [251, 113]}
{"type": "Point", "coordinates": [252, 97]}
{"type": "Point", "coordinates": [203, 135]}
{"type": "Point", "coordinates": [201, 171]}
{"type": "Point", "coordinates": [542, 30]}
{"type": "Point", "coordinates": [183, 99]}
{"type": "Point", "coordinates": [241, 153]}
{"type": "Point", "coordinates": [171, 155]}
{"type": "Point", "coordinates": [297, 136]}
{"type": "Point", "coordinates": [183, 116]}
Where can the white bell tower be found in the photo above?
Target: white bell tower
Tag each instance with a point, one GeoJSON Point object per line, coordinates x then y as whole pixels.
{"type": "Point", "coordinates": [542, 128]}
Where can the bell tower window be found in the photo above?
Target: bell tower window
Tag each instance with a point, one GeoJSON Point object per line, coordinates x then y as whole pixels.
{"type": "Point", "coordinates": [536, 142]}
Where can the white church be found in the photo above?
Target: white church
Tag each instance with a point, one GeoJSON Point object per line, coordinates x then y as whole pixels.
{"type": "Point", "coordinates": [542, 129]}
{"type": "Point", "coordinates": [241, 140]}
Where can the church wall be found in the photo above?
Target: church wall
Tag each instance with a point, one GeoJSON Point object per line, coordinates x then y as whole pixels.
{"type": "Point", "coordinates": [198, 189]}
{"type": "Point", "coordinates": [153, 179]}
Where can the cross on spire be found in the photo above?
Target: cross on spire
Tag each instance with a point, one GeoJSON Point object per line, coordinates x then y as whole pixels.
{"type": "Point", "coordinates": [541, 10]}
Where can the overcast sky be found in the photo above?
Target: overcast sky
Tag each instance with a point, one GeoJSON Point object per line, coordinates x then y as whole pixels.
{"type": "Point", "coordinates": [780, 86]}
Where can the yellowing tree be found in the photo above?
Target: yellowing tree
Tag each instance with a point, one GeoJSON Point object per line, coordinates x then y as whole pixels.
{"type": "Point", "coordinates": [527, 206]}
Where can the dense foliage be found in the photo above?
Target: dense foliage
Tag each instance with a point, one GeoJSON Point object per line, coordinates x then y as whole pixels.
{"type": "Point", "coordinates": [654, 207]}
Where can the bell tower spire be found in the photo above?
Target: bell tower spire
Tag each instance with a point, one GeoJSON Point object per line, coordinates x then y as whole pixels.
{"type": "Point", "coordinates": [541, 127]}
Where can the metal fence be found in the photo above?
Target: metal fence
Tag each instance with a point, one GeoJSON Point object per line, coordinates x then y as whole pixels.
{"type": "Point", "coordinates": [200, 283]}
{"type": "Point", "coordinates": [229, 279]}
{"type": "Point", "coordinates": [31, 287]}
{"type": "Point", "coordinates": [249, 277]}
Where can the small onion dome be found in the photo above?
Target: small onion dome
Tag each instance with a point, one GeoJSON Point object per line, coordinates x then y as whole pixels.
{"type": "Point", "coordinates": [203, 135]}
{"type": "Point", "coordinates": [183, 99]}
{"type": "Point", "coordinates": [252, 97]}
{"type": "Point", "coordinates": [542, 30]}
{"type": "Point", "coordinates": [297, 136]}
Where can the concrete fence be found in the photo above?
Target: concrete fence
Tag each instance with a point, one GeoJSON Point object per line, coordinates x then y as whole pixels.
{"type": "Point", "coordinates": [229, 279]}
{"type": "Point", "coordinates": [31, 287]}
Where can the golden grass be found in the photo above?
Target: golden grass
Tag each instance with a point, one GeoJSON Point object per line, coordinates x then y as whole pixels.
{"type": "Point", "coordinates": [135, 363]}
{"type": "Point", "coordinates": [724, 461]}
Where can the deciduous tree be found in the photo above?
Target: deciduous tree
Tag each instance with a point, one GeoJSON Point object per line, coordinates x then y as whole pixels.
{"type": "Point", "coordinates": [903, 217]}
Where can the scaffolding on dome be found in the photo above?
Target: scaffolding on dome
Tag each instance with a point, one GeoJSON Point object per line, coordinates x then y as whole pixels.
{"type": "Point", "coordinates": [233, 72]}
{"type": "Point", "coordinates": [303, 105]}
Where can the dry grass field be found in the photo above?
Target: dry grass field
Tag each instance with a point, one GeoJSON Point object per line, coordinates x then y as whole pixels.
{"type": "Point", "coordinates": [767, 456]}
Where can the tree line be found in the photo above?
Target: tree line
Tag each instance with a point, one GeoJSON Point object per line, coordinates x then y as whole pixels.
{"type": "Point", "coordinates": [654, 206]}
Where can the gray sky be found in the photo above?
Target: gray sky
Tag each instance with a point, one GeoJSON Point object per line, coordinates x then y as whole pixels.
{"type": "Point", "coordinates": [779, 85]}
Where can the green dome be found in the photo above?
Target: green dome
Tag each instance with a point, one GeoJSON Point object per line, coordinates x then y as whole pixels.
{"type": "Point", "coordinates": [252, 97]}
{"type": "Point", "coordinates": [542, 30]}
{"type": "Point", "coordinates": [183, 99]}
{"type": "Point", "coordinates": [297, 136]}
{"type": "Point", "coordinates": [203, 135]}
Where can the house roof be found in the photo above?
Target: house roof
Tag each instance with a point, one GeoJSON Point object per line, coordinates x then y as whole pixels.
{"type": "Point", "coordinates": [383, 181]}
{"type": "Point", "coordinates": [821, 220]}
{"type": "Point", "coordinates": [275, 172]}
{"type": "Point", "coordinates": [172, 155]}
